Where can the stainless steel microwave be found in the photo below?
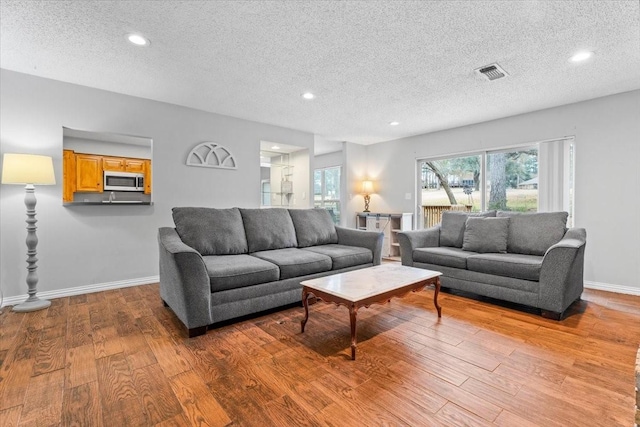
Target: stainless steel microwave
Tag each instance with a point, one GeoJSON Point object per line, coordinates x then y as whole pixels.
{"type": "Point", "coordinates": [123, 181]}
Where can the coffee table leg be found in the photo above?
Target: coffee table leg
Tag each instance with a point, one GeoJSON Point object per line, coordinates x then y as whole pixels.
{"type": "Point", "coordinates": [305, 303]}
{"type": "Point", "coordinates": [353, 311]}
{"type": "Point", "coordinates": [435, 297]}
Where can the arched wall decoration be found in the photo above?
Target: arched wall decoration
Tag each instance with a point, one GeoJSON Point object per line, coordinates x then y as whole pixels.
{"type": "Point", "coordinates": [211, 155]}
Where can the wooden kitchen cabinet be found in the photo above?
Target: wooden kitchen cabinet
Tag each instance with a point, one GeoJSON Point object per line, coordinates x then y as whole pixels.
{"type": "Point", "coordinates": [123, 164]}
{"type": "Point", "coordinates": [85, 172]}
{"type": "Point", "coordinates": [134, 165]}
{"type": "Point", "coordinates": [68, 175]}
{"type": "Point", "coordinates": [113, 163]}
{"type": "Point", "coordinates": [88, 173]}
{"type": "Point", "coordinates": [147, 177]}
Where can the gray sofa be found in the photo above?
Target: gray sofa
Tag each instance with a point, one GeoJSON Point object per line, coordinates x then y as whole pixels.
{"type": "Point", "coordinates": [220, 264]}
{"type": "Point", "coordinates": [525, 258]}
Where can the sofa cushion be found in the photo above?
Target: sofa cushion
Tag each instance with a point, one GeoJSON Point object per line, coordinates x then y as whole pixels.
{"type": "Point", "coordinates": [294, 262]}
{"type": "Point", "coordinates": [486, 235]}
{"type": "Point", "coordinates": [313, 227]}
{"type": "Point", "coordinates": [344, 256]}
{"type": "Point", "coordinates": [452, 227]}
{"type": "Point", "coordinates": [268, 229]}
{"type": "Point", "coordinates": [236, 271]}
{"type": "Point", "coordinates": [211, 231]}
{"type": "Point", "coordinates": [450, 257]}
{"type": "Point", "coordinates": [526, 267]}
{"type": "Point", "coordinates": [534, 233]}
{"type": "Point", "coordinates": [491, 285]}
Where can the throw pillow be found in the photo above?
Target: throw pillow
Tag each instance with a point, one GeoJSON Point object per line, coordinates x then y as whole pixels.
{"type": "Point", "coordinates": [452, 227]}
{"type": "Point", "coordinates": [534, 233]}
{"type": "Point", "coordinates": [211, 231]}
{"type": "Point", "coordinates": [486, 235]}
{"type": "Point", "coordinates": [313, 227]}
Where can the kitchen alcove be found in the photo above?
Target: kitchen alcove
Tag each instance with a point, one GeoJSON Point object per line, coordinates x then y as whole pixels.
{"type": "Point", "coordinates": [104, 168]}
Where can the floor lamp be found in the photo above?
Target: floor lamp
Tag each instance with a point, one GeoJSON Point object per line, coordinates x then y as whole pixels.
{"type": "Point", "coordinates": [29, 170]}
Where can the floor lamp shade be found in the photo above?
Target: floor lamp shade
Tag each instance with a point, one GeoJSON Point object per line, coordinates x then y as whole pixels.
{"type": "Point", "coordinates": [29, 170]}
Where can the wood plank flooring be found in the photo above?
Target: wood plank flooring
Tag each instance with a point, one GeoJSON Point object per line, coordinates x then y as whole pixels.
{"type": "Point", "coordinates": [119, 358]}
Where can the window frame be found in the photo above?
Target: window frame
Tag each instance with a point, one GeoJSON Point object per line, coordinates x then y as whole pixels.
{"type": "Point", "coordinates": [323, 190]}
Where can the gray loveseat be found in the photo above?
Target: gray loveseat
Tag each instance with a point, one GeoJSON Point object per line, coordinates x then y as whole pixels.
{"type": "Point", "coordinates": [525, 258]}
{"type": "Point", "coordinates": [219, 264]}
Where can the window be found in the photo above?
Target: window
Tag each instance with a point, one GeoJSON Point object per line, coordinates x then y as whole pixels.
{"type": "Point", "coordinates": [265, 193]}
{"type": "Point", "coordinates": [512, 180]}
{"type": "Point", "coordinates": [452, 182]}
{"type": "Point", "coordinates": [326, 191]}
{"type": "Point", "coordinates": [522, 179]}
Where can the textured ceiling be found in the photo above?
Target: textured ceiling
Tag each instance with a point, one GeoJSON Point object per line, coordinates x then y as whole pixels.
{"type": "Point", "coordinates": [368, 63]}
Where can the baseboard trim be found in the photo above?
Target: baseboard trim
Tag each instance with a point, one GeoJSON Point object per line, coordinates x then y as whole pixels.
{"type": "Point", "coordinates": [61, 293]}
{"type": "Point", "coordinates": [620, 289]}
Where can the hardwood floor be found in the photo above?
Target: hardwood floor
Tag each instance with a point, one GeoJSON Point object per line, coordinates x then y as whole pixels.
{"type": "Point", "coordinates": [119, 358]}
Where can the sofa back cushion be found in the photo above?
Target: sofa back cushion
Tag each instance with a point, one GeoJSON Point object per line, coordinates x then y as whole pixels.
{"type": "Point", "coordinates": [313, 227]}
{"type": "Point", "coordinates": [452, 227]}
{"type": "Point", "coordinates": [485, 235]}
{"type": "Point", "coordinates": [268, 229]}
{"type": "Point", "coordinates": [534, 233]}
{"type": "Point", "coordinates": [211, 231]}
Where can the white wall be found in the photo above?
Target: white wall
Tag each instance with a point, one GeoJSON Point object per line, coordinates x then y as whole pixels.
{"type": "Point", "coordinates": [355, 171]}
{"type": "Point", "coordinates": [607, 139]}
{"type": "Point", "coordinates": [106, 148]}
{"type": "Point", "coordinates": [328, 160]}
{"type": "Point", "coordinates": [301, 180]}
{"type": "Point", "coordinates": [85, 245]}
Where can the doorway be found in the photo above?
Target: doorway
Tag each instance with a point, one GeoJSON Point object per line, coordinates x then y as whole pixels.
{"type": "Point", "coordinates": [284, 175]}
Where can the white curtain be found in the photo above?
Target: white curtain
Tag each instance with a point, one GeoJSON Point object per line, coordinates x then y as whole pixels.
{"type": "Point", "coordinates": [555, 180]}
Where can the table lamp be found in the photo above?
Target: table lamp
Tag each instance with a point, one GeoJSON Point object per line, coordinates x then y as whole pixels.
{"type": "Point", "coordinates": [367, 189]}
{"type": "Point", "coordinates": [29, 170]}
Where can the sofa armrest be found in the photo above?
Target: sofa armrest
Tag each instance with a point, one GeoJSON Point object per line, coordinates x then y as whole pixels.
{"type": "Point", "coordinates": [184, 282]}
{"type": "Point", "coordinates": [410, 240]}
{"type": "Point", "coordinates": [561, 275]}
{"type": "Point", "coordinates": [371, 240]}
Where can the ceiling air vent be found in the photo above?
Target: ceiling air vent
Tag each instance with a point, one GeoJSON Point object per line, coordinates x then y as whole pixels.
{"type": "Point", "coordinates": [492, 72]}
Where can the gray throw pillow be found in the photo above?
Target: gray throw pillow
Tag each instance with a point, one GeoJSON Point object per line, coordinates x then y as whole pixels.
{"type": "Point", "coordinates": [211, 231]}
{"type": "Point", "coordinates": [313, 227]}
{"type": "Point", "coordinates": [268, 229]}
{"type": "Point", "coordinates": [452, 227]}
{"type": "Point", "coordinates": [486, 235]}
{"type": "Point", "coordinates": [534, 233]}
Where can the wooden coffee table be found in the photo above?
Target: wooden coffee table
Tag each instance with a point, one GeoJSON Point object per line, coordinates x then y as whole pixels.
{"type": "Point", "coordinates": [373, 285]}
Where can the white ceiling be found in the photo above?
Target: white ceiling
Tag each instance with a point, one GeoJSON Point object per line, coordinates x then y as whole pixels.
{"type": "Point", "coordinates": [368, 63]}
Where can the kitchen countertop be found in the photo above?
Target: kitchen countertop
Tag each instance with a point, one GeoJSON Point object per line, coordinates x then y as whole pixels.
{"type": "Point", "coordinates": [115, 203]}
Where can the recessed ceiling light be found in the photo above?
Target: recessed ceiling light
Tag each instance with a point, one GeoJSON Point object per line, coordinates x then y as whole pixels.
{"type": "Point", "coordinates": [275, 147]}
{"type": "Point", "coordinates": [394, 123]}
{"type": "Point", "coordinates": [308, 95]}
{"type": "Point", "coordinates": [581, 56]}
{"type": "Point", "coordinates": [138, 40]}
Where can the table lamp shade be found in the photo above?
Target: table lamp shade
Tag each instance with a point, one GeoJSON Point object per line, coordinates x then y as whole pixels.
{"type": "Point", "coordinates": [367, 187]}
{"type": "Point", "coordinates": [27, 169]}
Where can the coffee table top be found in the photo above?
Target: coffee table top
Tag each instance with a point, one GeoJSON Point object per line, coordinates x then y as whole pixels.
{"type": "Point", "coordinates": [360, 284]}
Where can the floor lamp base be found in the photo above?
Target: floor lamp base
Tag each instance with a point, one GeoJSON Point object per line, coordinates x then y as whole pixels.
{"type": "Point", "coordinates": [32, 304]}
